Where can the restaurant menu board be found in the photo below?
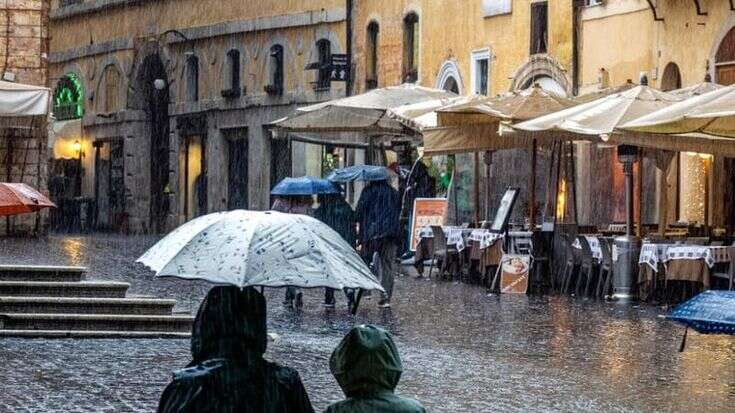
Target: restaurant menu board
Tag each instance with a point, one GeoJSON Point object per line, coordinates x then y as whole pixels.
{"type": "Point", "coordinates": [514, 270]}
{"type": "Point", "coordinates": [426, 212]}
{"type": "Point", "coordinates": [504, 210]}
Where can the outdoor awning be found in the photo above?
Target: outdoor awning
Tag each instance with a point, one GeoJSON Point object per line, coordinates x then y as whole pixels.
{"type": "Point", "coordinates": [449, 140]}
{"type": "Point", "coordinates": [712, 113]}
{"type": "Point", "coordinates": [369, 114]}
{"type": "Point", "coordinates": [23, 100]}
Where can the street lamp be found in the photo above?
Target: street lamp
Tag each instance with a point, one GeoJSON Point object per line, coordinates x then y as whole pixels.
{"type": "Point", "coordinates": [78, 149]}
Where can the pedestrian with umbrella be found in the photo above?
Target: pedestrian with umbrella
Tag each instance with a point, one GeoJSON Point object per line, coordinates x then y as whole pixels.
{"type": "Point", "coordinates": [334, 211]}
{"type": "Point", "coordinates": [377, 215]}
{"type": "Point", "coordinates": [296, 196]}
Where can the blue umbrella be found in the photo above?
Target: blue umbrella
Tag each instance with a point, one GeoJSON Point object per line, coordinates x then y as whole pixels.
{"type": "Point", "coordinates": [305, 185]}
{"type": "Point", "coordinates": [360, 173]}
{"type": "Point", "coordinates": [711, 312]}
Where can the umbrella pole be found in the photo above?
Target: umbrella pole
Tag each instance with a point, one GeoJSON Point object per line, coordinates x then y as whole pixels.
{"type": "Point", "coordinates": [639, 200]}
{"type": "Point", "coordinates": [532, 189]}
{"type": "Point", "coordinates": [357, 301]}
{"type": "Point", "coordinates": [488, 190]}
{"type": "Point", "coordinates": [477, 187]}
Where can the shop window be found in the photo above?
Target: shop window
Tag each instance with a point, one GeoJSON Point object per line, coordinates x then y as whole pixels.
{"type": "Point", "coordinates": [371, 75]}
{"type": "Point", "coordinates": [324, 49]}
{"type": "Point", "coordinates": [275, 87]}
{"type": "Point", "coordinates": [111, 79]}
{"type": "Point", "coordinates": [232, 74]}
{"type": "Point", "coordinates": [539, 27]}
{"type": "Point", "coordinates": [411, 48]}
{"type": "Point", "coordinates": [192, 79]}
{"type": "Point", "coordinates": [69, 98]}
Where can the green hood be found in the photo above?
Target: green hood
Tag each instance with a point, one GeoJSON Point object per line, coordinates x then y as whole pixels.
{"type": "Point", "coordinates": [231, 324]}
{"type": "Point", "coordinates": [366, 362]}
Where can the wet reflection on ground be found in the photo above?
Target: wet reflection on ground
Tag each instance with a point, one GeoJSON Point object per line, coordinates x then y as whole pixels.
{"type": "Point", "coordinates": [462, 350]}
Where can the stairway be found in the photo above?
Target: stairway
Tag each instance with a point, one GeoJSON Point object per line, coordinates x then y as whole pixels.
{"type": "Point", "coordinates": [57, 302]}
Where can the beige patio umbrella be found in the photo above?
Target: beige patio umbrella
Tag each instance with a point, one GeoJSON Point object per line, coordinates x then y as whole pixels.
{"type": "Point", "coordinates": [599, 119]}
{"type": "Point", "coordinates": [698, 89]}
{"type": "Point", "coordinates": [711, 113]}
{"type": "Point", "coordinates": [472, 126]}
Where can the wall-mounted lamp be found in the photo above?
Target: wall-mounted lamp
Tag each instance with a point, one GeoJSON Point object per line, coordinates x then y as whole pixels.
{"type": "Point", "coordinates": [159, 84]}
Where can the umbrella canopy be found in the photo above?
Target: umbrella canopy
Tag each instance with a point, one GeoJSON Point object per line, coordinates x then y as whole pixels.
{"type": "Point", "coordinates": [18, 198]}
{"type": "Point", "coordinates": [360, 173]}
{"type": "Point", "coordinates": [512, 107]}
{"type": "Point", "coordinates": [711, 312]}
{"type": "Point", "coordinates": [712, 113]}
{"type": "Point", "coordinates": [603, 115]}
{"type": "Point", "coordinates": [367, 112]}
{"type": "Point", "coordinates": [252, 248]}
{"type": "Point", "coordinates": [23, 100]}
{"type": "Point", "coordinates": [696, 90]}
{"type": "Point", "coordinates": [305, 185]}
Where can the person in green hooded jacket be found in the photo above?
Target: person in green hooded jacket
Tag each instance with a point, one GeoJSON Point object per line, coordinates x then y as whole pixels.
{"type": "Point", "coordinates": [367, 367]}
{"type": "Point", "coordinates": [228, 372]}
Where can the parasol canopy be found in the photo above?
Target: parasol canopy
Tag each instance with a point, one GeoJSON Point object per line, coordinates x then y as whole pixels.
{"type": "Point", "coordinates": [252, 248]}
{"type": "Point", "coordinates": [711, 113]}
{"type": "Point", "coordinates": [711, 312]}
{"type": "Point", "coordinates": [17, 198]}
{"type": "Point", "coordinates": [305, 185]}
{"type": "Point", "coordinates": [360, 173]}
{"type": "Point", "coordinates": [367, 112]}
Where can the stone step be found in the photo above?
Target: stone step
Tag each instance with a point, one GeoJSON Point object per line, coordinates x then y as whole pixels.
{"type": "Point", "coordinates": [57, 273]}
{"type": "Point", "coordinates": [86, 305]}
{"type": "Point", "coordinates": [92, 334]}
{"type": "Point", "coordinates": [100, 289]}
{"type": "Point", "coordinates": [96, 322]}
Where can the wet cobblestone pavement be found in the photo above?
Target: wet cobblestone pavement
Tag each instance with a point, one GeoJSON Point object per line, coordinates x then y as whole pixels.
{"type": "Point", "coordinates": [463, 351]}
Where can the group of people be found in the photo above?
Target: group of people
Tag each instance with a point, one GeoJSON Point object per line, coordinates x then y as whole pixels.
{"type": "Point", "coordinates": [373, 228]}
{"type": "Point", "coordinates": [229, 374]}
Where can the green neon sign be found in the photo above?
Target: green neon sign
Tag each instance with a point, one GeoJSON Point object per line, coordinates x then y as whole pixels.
{"type": "Point", "coordinates": [69, 98]}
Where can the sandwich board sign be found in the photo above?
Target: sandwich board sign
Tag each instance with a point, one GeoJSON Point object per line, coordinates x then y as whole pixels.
{"type": "Point", "coordinates": [514, 273]}
{"type": "Point", "coordinates": [426, 212]}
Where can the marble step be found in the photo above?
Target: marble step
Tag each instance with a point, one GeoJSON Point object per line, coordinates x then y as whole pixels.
{"type": "Point", "coordinates": [96, 322]}
{"type": "Point", "coordinates": [92, 334]}
{"type": "Point", "coordinates": [58, 273]}
{"type": "Point", "coordinates": [86, 305]}
{"type": "Point", "coordinates": [100, 289]}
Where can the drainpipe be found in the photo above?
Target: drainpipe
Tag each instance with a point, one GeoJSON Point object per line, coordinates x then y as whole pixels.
{"type": "Point", "coordinates": [576, 11]}
{"type": "Point", "coordinates": [348, 46]}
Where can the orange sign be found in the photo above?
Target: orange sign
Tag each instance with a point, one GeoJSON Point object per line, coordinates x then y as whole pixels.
{"type": "Point", "coordinates": [514, 270]}
{"type": "Point", "coordinates": [426, 212]}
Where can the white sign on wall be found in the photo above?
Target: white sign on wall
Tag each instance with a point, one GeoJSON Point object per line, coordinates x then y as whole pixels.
{"type": "Point", "coordinates": [495, 7]}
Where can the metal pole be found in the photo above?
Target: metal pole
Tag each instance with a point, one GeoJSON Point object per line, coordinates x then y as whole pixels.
{"type": "Point", "coordinates": [626, 248]}
{"type": "Point", "coordinates": [477, 187]}
{"type": "Point", "coordinates": [639, 199]}
{"type": "Point", "coordinates": [488, 158]}
{"type": "Point", "coordinates": [532, 189]}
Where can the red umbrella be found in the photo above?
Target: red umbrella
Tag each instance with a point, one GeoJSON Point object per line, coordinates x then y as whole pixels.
{"type": "Point", "coordinates": [21, 199]}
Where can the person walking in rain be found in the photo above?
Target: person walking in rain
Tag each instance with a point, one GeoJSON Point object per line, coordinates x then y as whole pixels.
{"type": "Point", "coordinates": [367, 367]}
{"type": "Point", "coordinates": [334, 211]}
{"type": "Point", "coordinates": [294, 205]}
{"type": "Point", "coordinates": [227, 372]}
{"type": "Point", "coordinates": [378, 213]}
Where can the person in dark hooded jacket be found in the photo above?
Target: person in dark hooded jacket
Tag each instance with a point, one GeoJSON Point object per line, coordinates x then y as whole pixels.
{"type": "Point", "coordinates": [227, 372]}
{"type": "Point", "coordinates": [337, 214]}
{"type": "Point", "coordinates": [367, 367]}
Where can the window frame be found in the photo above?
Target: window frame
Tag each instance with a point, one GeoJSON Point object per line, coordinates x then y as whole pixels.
{"type": "Point", "coordinates": [192, 78]}
{"type": "Point", "coordinates": [371, 56]}
{"type": "Point", "coordinates": [324, 59]}
{"type": "Point", "coordinates": [411, 47]}
{"type": "Point", "coordinates": [475, 57]}
{"type": "Point", "coordinates": [275, 72]}
{"type": "Point", "coordinates": [539, 27]}
{"type": "Point", "coordinates": [232, 62]}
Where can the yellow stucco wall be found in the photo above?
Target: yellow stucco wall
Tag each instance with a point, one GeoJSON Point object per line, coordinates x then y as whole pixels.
{"type": "Point", "coordinates": [451, 30]}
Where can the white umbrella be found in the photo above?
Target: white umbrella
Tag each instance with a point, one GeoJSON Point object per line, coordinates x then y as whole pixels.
{"type": "Point", "coordinates": [251, 248]}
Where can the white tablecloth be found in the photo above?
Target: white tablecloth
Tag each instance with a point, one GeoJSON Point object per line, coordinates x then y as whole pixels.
{"type": "Point", "coordinates": [710, 255]}
{"type": "Point", "coordinates": [484, 237]}
{"type": "Point", "coordinates": [653, 254]}
{"type": "Point", "coordinates": [594, 246]}
{"type": "Point", "coordinates": [458, 236]}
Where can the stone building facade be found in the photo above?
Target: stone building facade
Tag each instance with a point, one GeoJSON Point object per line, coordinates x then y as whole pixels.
{"type": "Point", "coordinates": [178, 96]}
{"type": "Point", "coordinates": [572, 48]}
{"type": "Point", "coordinates": [23, 56]}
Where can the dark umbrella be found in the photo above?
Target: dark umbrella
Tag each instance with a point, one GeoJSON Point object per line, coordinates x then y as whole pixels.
{"type": "Point", "coordinates": [306, 185]}
{"type": "Point", "coordinates": [360, 173]}
{"type": "Point", "coordinates": [711, 312]}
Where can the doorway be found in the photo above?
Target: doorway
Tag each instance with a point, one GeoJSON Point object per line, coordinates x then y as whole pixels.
{"type": "Point", "coordinates": [193, 179]}
{"type": "Point", "coordinates": [109, 185]}
{"type": "Point", "coordinates": [237, 169]}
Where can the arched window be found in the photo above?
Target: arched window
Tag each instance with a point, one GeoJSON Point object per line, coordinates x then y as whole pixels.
{"type": "Point", "coordinates": [69, 98]}
{"type": "Point", "coordinates": [324, 49]}
{"type": "Point", "coordinates": [111, 80]}
{"type": "Point", "coordinates": [371, 55]}
{"type": "Point", "coordinates": [671, 79]}
{"type": "Point", "coordinates": [275, 71]}
{"type": "Point", "coordinates": [725, 60]}
{"type": "Point", "coordinates": [450, 85]}
{"type": "Point", "coordinates": [192, 79]}
{"type": "Point", "coordinates": [411, 48]}
{"type": "Point", "coordinates": [232, 74]}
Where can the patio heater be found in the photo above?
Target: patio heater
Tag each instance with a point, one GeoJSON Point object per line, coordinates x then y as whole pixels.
{"type": "Point", "coordinates": [626, 248]}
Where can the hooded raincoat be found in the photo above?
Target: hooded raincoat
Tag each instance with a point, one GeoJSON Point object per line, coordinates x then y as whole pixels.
{"type": "Point", "coordinates": [367, 367]}
{"type": "Point", "coordinates": [378, 211]}
{"type": "Point", "coordinates": [228, 372]}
